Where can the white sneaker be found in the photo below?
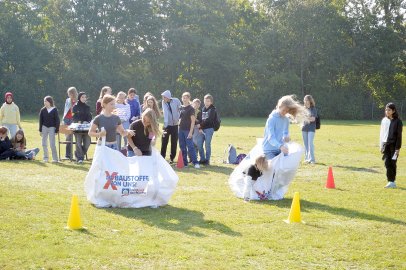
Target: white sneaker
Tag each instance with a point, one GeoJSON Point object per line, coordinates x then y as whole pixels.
{"type": "Point", "coordinates": [197, 166]}
{"type": "Point", "coordinates": [390, 185]}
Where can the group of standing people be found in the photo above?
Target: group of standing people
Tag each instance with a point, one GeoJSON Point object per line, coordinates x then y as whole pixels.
{"type": "Point", "coordinates": [189, 123]}
{"type": "Point", "coordinates": [184, 122]}
{"type": "Point", "coordinates": [124, 117]}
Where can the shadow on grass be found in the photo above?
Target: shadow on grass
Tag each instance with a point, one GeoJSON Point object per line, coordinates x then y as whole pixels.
{"type": "Point", "coordinates": [83, 230]}
{"type": "Point", "coordinates": [174, 219]}
{"type": "Point", "coordinates": [205, 169]}
{"type": "Point", "coordinates": [73, 165]}
{"type": "Point", "coordinates": [358, 169]}
{"type": "Point", "coordinates": [307, 206]}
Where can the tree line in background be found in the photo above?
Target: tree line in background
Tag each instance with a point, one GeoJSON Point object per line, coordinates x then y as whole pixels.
{"type": "Point", "coordinates": [349, 54]}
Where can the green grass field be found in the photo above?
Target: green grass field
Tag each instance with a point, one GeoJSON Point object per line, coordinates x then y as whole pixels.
{"type": "Point", "coordinates": [358, 225]}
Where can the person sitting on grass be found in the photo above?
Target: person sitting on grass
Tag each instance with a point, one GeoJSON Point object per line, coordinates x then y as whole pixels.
{"type": "Point", "coordinates": [6, 148]}
{"type": "Point", "coordinates": [253, 173]}
{"type": "Point", "coordinates": [19, 146]}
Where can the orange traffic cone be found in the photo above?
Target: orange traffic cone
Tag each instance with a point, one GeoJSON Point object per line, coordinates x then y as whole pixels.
{"type": "Point", "coordinates": [330, 179]}
{"type": "Point", "coordinates": [180, 163]}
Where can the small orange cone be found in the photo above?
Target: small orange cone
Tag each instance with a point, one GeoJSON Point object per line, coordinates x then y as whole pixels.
{"type": "Point", "coordinates": [330, 179]}
{"type": "Point", "coordinates": [74, 222]}
{"type": "Point", "coordinates": [180, 163]}
{"type": "Point", "coordinates": [294, 214]}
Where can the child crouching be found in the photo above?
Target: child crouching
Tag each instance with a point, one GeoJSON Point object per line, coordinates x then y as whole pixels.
{"type": "Point", "coordinates": [253, 173]}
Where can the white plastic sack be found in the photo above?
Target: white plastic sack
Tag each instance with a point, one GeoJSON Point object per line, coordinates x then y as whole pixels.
{"type": "Point", "coordinates": [273, 183]}
{"type": "Point", "coordinates": [129, 182]}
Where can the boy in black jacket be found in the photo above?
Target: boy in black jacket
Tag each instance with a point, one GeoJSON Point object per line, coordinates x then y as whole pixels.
{"type": "Point", "coordinates": [206, 128]}
{"type": "Point", "coordinates": [81, 115]}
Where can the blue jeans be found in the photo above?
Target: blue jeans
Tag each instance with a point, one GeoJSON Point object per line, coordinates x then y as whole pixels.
{"type": "Point", "coordinates": [29, 154]}
{"type": "Point", "coordinates": [186, 145]}
{"type": "Point", "coordinates": [308, 138]}
{"type": "Point", "coordinates": [132, 154]}
{"type": "Point", "coordinates": [112, 146]}
{"type": "Point", "coordinates": [208, 135]}
{"type": "Point", "coordinates": [271, 154]}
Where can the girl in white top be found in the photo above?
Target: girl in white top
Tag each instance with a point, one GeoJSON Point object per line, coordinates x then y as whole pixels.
{"type": "Point", "coordinates": [123, 110]}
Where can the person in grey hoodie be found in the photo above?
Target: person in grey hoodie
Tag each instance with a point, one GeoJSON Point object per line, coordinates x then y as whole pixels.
{"type": "Point", "coordinates": [171, 110]}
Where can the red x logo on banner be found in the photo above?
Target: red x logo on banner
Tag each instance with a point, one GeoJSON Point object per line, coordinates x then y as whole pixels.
{"type": "Point", "coordinates": [110, 180]}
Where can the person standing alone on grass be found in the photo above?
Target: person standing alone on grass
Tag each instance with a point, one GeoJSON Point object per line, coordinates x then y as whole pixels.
{"type": "Point", "coordinates": [10, 115]}
{"type": "Point", "coordinates": [171, 110]}
{"type": "Point", "coordinates": [49, 127]}
{"type": "Point", "coordinates": [186, 127]}
{"type": "Point", "coordinates": [391, 142]}
{"type": "Point", "coordinates": [309, 129]}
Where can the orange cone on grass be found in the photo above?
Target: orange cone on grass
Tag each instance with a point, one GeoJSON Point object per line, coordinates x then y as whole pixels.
{"type": "Point", "coordinates": [294, 214]}
{"type": "Point", "coordinates": [74, 222]}
{"type": "Point", "coordinates": [330, 179]}
{"type": "Point", "coordinates": [180, 163]}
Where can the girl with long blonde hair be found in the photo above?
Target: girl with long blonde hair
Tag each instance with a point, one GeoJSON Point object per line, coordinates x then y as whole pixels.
{"type": "Point", "coordinates": [277, 126]}
{"type": "Point", "coordinates": [146, 131]}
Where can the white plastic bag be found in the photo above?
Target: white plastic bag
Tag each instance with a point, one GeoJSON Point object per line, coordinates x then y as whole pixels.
{"type": "Point", "coordinates": [274, 183]}
{"type": "Point", "coordinates": [129, 182]}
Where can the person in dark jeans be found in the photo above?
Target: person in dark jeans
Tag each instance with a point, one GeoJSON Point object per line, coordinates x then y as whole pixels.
{"type": "Point", "coordinates": [391, 142]}
{"type": "Point", "coordinates": [171, 110]}
{"type": "Point", "coordinates": [186, 127]}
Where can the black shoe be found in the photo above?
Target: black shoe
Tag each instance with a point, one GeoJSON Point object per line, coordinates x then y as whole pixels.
{"type": "Point", "coordinates": [171, 161]}
{"type": "Point", "coordinates": [203, 162]}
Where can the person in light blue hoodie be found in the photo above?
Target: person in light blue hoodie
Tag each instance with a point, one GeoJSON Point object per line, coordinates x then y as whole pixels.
{"type": "Point", "coordinates": [277, 126]}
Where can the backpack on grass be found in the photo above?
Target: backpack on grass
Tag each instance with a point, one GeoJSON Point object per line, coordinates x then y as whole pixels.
{"type": "Point", "coordinates": [230, 154]}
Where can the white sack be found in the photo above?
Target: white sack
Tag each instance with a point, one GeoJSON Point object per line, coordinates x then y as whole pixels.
{"type": "Point", "coordinates": [136, 181]}
{"type": "Point", "coordinates": [273, 183]}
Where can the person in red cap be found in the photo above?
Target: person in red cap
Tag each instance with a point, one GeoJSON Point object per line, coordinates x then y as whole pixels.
{"type": "Point", "coordinates": [10, 115]}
